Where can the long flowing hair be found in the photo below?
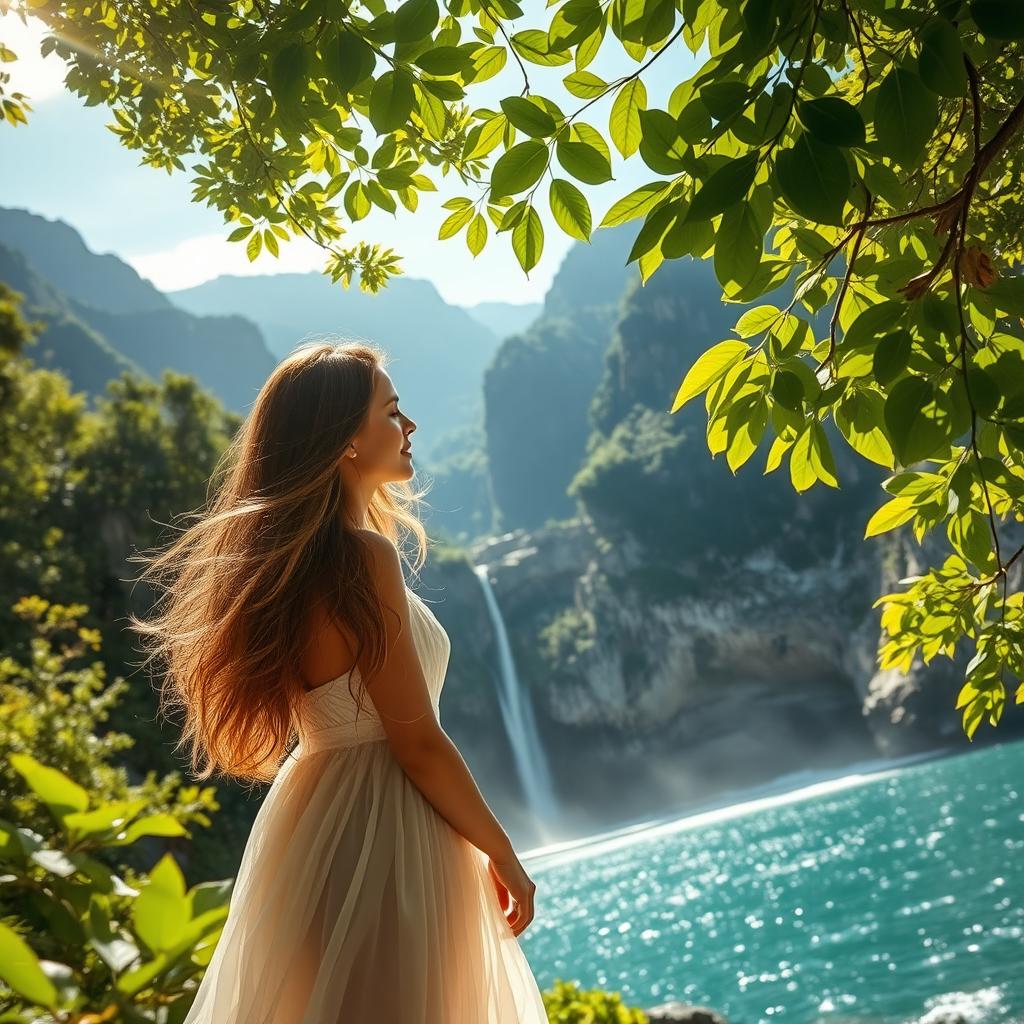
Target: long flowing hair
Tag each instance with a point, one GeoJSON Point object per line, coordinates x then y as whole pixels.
{"type": "Point", "coordinates": [234, 588]}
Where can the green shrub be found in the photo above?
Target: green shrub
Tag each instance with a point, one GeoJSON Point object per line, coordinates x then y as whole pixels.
{"type": "Point", "coordinates": [566, 1003]}
{"type": "Point", "coordinates": [81, 937]}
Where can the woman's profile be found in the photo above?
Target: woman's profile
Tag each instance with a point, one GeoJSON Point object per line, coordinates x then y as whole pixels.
{"type": "Point", "coordinates": [376, 885]}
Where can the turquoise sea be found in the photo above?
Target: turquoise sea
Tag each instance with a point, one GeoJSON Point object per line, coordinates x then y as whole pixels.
{"type": "Point", "coordinates": [882, 896]}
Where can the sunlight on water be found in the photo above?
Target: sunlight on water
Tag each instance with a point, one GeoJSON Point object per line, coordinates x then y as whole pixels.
{"type": "Point", "coordinates": [887, 897]}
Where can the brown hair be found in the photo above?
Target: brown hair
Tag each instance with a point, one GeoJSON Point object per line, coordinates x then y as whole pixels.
{"type": "Point", "coordinates": [238, 582]}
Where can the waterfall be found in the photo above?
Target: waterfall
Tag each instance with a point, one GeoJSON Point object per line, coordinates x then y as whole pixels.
{"type": "Point", "coordinates": [517, 714]}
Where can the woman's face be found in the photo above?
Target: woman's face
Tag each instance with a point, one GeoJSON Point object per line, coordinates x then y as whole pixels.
{"type": "Point", "coordinates": [383, 436]}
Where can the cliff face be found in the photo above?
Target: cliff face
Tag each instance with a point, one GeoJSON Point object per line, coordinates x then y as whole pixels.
{"type": "Point", "coordinates": [540, 384]}
{"type": "Point", "coordinates": [691, 631]}
{"type": "Point", "coordinates": [657, 688]}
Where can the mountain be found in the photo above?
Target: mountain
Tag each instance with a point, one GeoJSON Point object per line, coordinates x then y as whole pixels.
{"type": "Point", "coordinates": [66, 343]}
{"type": "Point", "coordinates": [103, 318]}
{"type": "Point", "coordinates": [58, 252]}
{"type": "Point", "coordinates": [437, 352]}
{"type": "Point", "coordinates": [539, 388]}
{"type": "Point", "coordinates": [505, 318]}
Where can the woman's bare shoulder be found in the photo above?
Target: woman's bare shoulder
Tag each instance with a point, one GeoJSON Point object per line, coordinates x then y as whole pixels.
{"type": "Point", "coordinates": [385, 563]}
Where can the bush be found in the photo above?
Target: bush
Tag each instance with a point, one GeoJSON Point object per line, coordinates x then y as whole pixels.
{"type": "Point", "coordinates": [107, 942]}
{"type": "Point", "coordinates": [566, 1003]}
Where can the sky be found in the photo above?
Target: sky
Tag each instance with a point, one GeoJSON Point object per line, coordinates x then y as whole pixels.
{"type": "Point", "coordinates": [66, 164]}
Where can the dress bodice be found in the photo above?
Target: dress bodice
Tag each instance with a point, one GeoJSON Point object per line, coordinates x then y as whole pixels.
{"type": "Point", "coordinates": [326, 716]}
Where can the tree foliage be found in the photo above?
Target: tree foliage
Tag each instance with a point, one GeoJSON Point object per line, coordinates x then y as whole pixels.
{"type": "Point", "coordinates": [85, 933]}
{"type": "Point", "coordinates": [866, 154]}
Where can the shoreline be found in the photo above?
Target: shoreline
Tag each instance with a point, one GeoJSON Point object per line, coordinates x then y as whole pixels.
{"type": "Point", "coordinates": [791, 786]}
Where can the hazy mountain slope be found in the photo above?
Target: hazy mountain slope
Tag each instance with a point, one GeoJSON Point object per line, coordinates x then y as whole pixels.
{"type": "Point", "coordinates": [66, 343]}
{"type": "Point", "coordinates": [438, 352]}
{"type": "Point", "coordinates": [541, 383]}
{"type": "Point", "coordinates": [505, 318]}
{"type": "Point", "coordinates": [58, 252]}
{"type": "Point", "coordinates": [106, 318]}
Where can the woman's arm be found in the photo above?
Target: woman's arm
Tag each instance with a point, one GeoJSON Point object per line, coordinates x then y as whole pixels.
{"type": "Point", "coordinates": [400, 694]}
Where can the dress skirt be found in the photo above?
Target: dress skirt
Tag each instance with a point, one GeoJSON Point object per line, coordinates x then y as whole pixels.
{"type": "Point", "coordinates": [356, 902]}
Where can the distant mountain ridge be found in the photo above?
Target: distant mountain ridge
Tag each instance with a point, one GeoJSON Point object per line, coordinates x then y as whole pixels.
{"type": "Point", "coordinates": [505, 318]}
{"type": "Point", "coordinates": [103, 318]}
{"type": "Point", "coordinates": [60, 254]}
{"type": "Point", "coordinates": [539, 388]}
{"type": "Point", "coordinates": [438, 352]}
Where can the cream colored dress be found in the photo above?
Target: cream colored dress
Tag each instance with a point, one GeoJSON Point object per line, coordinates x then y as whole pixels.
{"type": "Point", "coordinates": [356, 902]}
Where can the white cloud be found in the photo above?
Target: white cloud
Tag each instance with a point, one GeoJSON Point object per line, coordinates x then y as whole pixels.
{"type": "Point", "coordinates": [38, 77]}
{"type": "Point", "coordinates": [494, 275]}
{"type": "Point", "coordinates": [204, 257]}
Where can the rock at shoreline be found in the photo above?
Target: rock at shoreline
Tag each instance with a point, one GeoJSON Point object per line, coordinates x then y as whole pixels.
{"type": "Point", "coordinates": [683, 1013]}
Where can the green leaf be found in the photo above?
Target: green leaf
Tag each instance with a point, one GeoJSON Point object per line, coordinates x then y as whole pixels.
{"type": "Point", "coordinates": [528, 240]}
{"type": "Point", "coordinates": [661, 145]}
{"type": "Point", "coordinates": [349, 60]}
{"type": "Point", "coordinates": [832, 120]}
{"type": "Point", "coordinates": [906, 113]}
{"type": "Point", "coordinates": [802, 473]}
{"type": "Point", "coordinates": [820, 455]}
{"type": "Point", "coordinates": [759, 17]}
{"type": "Point", "coordinates": [757, 320]}
{"type": "Point", "coordinates": [570, 208]}
{"type": "Point", "coordinates": [519, 168]}
{"type": "Point", "coordinates": [636, 204]}
{"type": "Point", "coordinates": [61, 794]}
{"type": "Point", "coordinates": [391, 101]}
{"type": "Point", "coordinates": [872, 323]}
{"type": "Point", "coordinates": [151, 825]}
{"type": "Point", "coordinates": [892, 514]}
{"type": "Point", "coordinates": [891, 355]}
{"type": "Point", "coordinates": [105, 817]}
{"type": "Point", "coordinates": [985, 391]}
{"type": "Point", "coordinates": [915, 420]}
{"type": "Point", "coordinates": [723, 99]}
{"type": "Point", "coordinates": [357, 202]}
{"type": "Point", "coordinates": [709, 367]}
{"type": "Point", "coordinates": [814, 179]}
{"type": "Point", "coordinates": [528, 117]}
{"type": "Point", "coordinates": [585, 84]}
{"type": "Point", "coordinates": [160, 912]}
{"type": "Point", "coordinates": [483, 138]}
{"type": "Point", "coordinates": [725, 186]}
{"type": "Point", "coordinates": [624, 120]}
{"type": "Point", "coordinates": [788, 390]}
{"type": "Point", "coordinates": [476, 234]}
{"type": "Point", "coordinates": [488, 62]}
{"type": "Point", "coordinates": [442, 60]}
{"type": "Point", "coordinates": [941, 61]}
{"type": "Point", "coordinates": [584, 162]}
{"type": "Point", "coordinates": [653, 230]}
{"type": "Point", "coordinates": [573, 22]}
{"type": "Point", "coordinates": [738, 246]}
{"type": "Point", "coordinates": [455, 222]}
{"type": "Point", "coordinates": [20, 968]}
{"type": "Point", "coordinates": [415, 20]}
{"type": "Point", "coordinates": [534, 45]}
{"type": "Point", "coordinates": [588, 49]}
{"type": "Point", "coordinates": [999, 19]}
{"type": "Point", "coordinates": [289, 68]}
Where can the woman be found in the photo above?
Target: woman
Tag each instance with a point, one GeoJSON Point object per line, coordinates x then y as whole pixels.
{"type": "Point", "coordinates": [376, 886]}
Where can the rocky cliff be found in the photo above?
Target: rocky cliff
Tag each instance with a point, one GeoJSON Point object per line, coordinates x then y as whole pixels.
{"type": "Point", "coordinates": [689, 631]}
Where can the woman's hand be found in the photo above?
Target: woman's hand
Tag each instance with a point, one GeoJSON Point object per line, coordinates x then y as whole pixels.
{"type": "Point", "coordinates": [515, 891]}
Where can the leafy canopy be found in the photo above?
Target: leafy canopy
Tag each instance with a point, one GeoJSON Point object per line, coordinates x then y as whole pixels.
{"type": "Point", "coordinates": [864, 153]}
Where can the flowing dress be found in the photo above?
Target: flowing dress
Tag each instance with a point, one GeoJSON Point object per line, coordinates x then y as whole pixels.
{"type": "Point", "coordinates": [355, 901]}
